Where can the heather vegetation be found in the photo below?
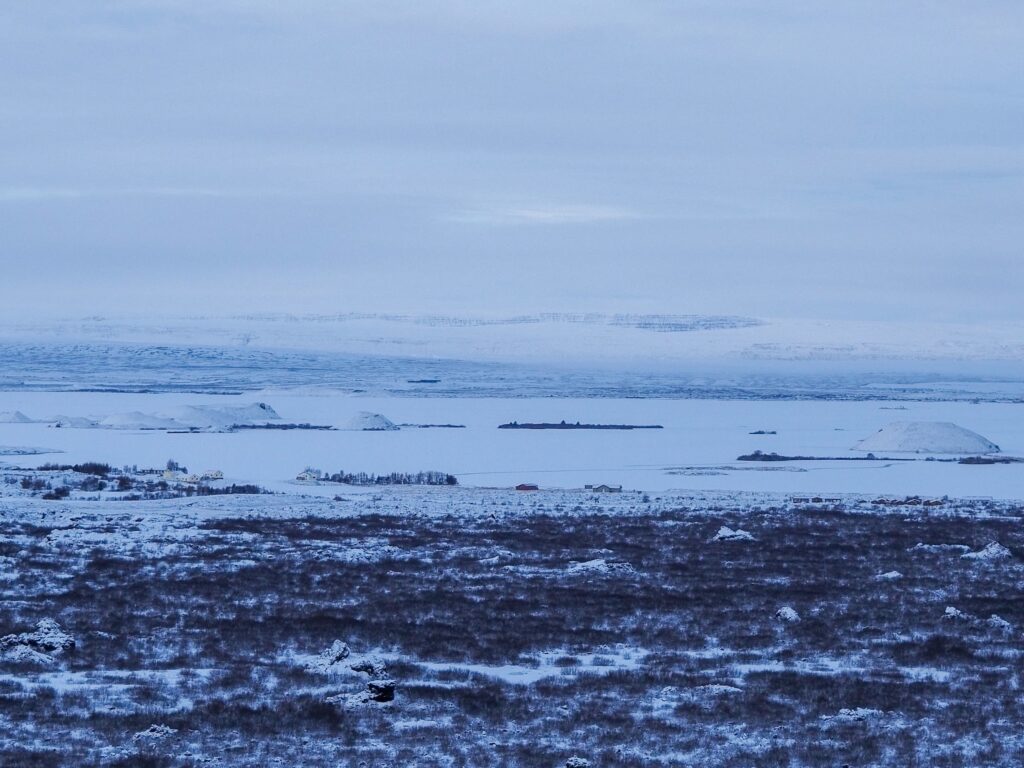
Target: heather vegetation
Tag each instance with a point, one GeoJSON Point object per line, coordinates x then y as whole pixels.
{"type": "Point", "coordinates": [524, 632]}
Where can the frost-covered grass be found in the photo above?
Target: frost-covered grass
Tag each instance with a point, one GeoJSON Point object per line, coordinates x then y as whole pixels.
{"type": "Point", "coordinates": [519, 629]}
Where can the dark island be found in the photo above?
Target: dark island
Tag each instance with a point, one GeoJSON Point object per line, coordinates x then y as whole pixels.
{"type": "Point", "coordinates": [762, 456]}
{"type": "Point", "coordinates": [577, 425]}
{"type": "Point", "coordinates": [434, 426]}
{"type": "Point", "coordinates": [271, 425]}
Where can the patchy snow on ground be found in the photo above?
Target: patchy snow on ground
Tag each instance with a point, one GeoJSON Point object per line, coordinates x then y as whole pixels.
{"type": "Point", "coordinates": [299, 634]}
{"type": "Point", "coordinates": [560, 664]}
{"type": "Point", "coordinates": [922, 547]}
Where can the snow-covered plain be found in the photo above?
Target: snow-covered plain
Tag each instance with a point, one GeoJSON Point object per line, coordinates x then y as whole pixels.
{"type": "Point", "coordinates": [697, 448]}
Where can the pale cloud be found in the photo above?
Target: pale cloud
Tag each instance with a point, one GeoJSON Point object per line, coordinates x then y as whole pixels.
{"type": "Point", "coordinates": [731, 156]}
{"type": "Point", "coordinates": [42, 194]}
{"type": "Point", "coordinates": [545, 214]}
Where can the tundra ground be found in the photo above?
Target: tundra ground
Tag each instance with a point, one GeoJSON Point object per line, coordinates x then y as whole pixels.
{"type": "Point", "coordinates": [517, 630]}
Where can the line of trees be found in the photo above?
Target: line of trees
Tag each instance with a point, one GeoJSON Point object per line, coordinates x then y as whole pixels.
{"type": "Point", "coordinates": [86, 468]}
{"type": "Point", "coordinates": [393, 478]}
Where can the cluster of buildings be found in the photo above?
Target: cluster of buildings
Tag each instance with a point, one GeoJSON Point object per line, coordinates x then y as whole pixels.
{"type": "Point", "coordinates": [193, 479]}
{"type": "Point", "coordinates": [593, 488]}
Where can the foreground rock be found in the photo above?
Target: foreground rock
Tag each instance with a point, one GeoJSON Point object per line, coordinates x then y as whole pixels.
{"type": "Point", "coordinates": [787, 615]}
{"type": "Point", "coordinates": [38, 647]}
{"type": "Point", "coordinates": [725, 533]}
{"type": "Point", "coordinates": [155, 732]}
{"type": "Point", "coordinates": [376, 692]}
{"type": "Point", "coordinates": [992, 551]}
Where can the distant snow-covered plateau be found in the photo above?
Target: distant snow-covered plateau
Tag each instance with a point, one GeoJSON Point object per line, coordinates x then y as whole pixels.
{"type": "Point", "coordinates": [264, 397]}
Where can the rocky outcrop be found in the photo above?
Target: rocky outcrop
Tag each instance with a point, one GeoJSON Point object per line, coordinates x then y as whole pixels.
{"type": "Point", "coordinates": [37, 647]}
{"type": "Point", "coordinates": [787, 615]}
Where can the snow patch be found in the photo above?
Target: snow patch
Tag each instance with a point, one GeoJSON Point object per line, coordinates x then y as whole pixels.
{"type": "Point", "coordinates": [997, 622]}
{"type": "Point", "coordinates": [955, 614]}
{"type": "Point", "coordinates": [992, 551]}
{"type": "Point", "coordinates": [600, 566]}
{"type": "Point", "coordinates": [339, 660]}
{"type": "Point", "coordinates": [857, 714]}
{"type": "Point", "coordinates": [155, 732]}
{"type": "Point", "coordinates": [725, 533]}
{"type": "Point", "coordinates": [920, 547]}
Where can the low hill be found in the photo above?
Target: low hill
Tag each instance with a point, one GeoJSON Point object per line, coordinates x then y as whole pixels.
{"type": "Point", "coordinates": [366, 421]}
{"type": "Point", "coordinates": [926, 437]}
{"type": "Point", "coordinates": [14, 417]}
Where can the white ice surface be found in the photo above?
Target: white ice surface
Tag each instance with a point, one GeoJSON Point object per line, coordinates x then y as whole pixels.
{"type": "Point", "coordinates": [699, 443]}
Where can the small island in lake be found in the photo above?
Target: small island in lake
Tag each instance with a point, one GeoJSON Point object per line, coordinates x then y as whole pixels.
{"type": "Point", "coordinates": [577, 425]}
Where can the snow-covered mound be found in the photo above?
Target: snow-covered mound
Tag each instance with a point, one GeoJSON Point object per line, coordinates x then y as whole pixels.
{"type": "Point", "coordinates": [208, 418]}
{"type": "Point", "coordinates": [14, 417]}
{"type": "Point", "coordinates": [75, 422]}
{"type": "Point", "coordinates": [138, 420]}
{"type": "Point", "coordinates": [926, 437]}
{"type": "Point", "coordinates": [370, 422]}
{"type": "Point", "coordinates": [221, 417]}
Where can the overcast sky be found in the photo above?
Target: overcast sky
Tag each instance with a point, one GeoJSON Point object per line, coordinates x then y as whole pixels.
{"type": "Point", "coordinates": [790, 158]}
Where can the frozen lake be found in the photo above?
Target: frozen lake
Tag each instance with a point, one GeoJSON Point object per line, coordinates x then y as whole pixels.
{"type": "Point", "coordinates": [697, 448]}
